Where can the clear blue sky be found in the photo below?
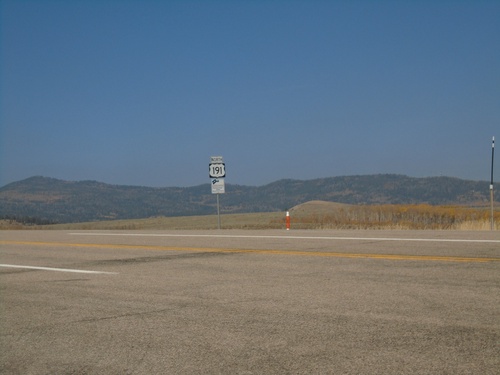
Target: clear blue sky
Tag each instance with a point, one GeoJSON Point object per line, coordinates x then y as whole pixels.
{"type": "Point", "coordinates": [144, 92]}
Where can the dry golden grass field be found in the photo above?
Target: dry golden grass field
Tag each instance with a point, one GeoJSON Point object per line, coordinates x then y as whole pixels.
{"type": "Point", "coordinates": [310, 215]}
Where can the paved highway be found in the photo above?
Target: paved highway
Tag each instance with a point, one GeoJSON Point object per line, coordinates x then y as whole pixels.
{"type": "Point", "coordinates": [250, 302]}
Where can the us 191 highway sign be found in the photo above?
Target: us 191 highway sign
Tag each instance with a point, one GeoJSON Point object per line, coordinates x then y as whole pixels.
{"type": "Point", "coordinates": [217, 170]}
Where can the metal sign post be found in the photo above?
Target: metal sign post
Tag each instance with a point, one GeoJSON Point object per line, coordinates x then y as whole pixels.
{"type": "Point", "coordinates": [217, 173]}
{"type": "Point", "coordinates": [218, 213]}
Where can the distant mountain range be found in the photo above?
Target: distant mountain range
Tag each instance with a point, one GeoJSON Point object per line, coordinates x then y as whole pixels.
{"type": "Point", "coordinates": [52, 200]}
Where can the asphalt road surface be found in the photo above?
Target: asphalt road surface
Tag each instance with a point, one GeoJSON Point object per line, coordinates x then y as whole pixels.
{"type": "Point", "coordinates": [250, 302]}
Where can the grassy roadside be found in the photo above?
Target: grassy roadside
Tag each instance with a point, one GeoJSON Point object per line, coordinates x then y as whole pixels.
{"type": "Point", "coordinates": [266, 220]}
{"type": "Point", "coordinates": [314, 215]}
{"type": "Point", "coordinates": [310, 215]}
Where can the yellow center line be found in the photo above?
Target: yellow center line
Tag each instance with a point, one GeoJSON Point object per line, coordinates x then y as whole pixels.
{"type": "Point", "coordinates": [259, 251]}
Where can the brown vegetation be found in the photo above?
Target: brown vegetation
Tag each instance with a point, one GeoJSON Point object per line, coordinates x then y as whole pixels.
{"type": "Point", "coordinates": [310, 215]}
{"type": "Point", "coordinates": [327, 215]}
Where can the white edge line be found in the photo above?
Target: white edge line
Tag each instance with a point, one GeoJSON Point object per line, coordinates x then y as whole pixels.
{"type": "Point", "coordinates": [286, 237]}
{"type": "Point", "coordinates": [57, 269]}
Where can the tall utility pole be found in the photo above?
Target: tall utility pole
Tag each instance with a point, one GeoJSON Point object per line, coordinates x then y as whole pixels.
{"type": "Point", "coordinates": [491, 184]}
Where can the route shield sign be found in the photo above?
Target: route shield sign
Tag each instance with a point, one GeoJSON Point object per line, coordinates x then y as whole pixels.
{"type": "Point", "coordinates": [217, 170]}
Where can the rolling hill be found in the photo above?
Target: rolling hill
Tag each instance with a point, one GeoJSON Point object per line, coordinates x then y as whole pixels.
{"type": "Point", "coordinates": [46, 199]}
